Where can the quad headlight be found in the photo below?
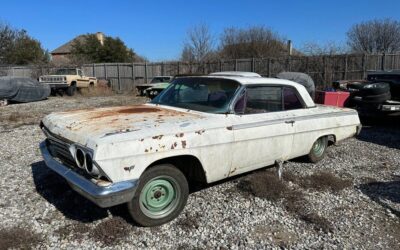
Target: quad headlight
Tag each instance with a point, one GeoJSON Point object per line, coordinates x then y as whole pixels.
{"type": "Point", "coordinates": [84, 160]}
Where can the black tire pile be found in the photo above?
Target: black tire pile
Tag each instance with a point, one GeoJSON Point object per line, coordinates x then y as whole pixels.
{"type": "Point", "coordinates": [372, 93]}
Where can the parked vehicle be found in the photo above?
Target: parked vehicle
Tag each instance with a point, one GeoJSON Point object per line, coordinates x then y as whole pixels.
{"type": "Point", "coordinates": [141, 88]}
{"type": "Point", "coordinates": [378, 95]}
{"type": "Point", "coordinates": [200, 129]}
{"type": "Point", "coordinates": [68, 80]}
{"type": "Point", "coordinates": [18, 89]}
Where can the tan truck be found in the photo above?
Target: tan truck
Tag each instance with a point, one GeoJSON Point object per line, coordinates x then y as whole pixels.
{"type": "Point", "coordinates": [68, 80]}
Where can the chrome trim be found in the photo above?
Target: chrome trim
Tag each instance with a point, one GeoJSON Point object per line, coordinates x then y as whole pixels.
{"type": "Point", "coordinates": [114, 194]}
{"type": "Point", "coordinates": [291, 119]}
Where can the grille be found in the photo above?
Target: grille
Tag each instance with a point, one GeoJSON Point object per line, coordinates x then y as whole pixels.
{"type": "Point", "coordinates": [59, 147]}
{"type": "Point", "coordinates": [52, 79]}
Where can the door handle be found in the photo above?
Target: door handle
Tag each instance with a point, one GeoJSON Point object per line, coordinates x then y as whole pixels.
{"type": "Point", "coordinates": [291, 122]}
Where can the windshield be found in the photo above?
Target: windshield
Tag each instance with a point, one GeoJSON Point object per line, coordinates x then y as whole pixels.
{"type": "Point", "coordinates": [160, 79]}
{"type": "Point", "coordinates": [201, 94]}
{"type": "Point", "coordinates": [66, 72]}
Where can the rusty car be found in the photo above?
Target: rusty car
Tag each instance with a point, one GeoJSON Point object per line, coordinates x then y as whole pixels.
{"type": "Point", "coordinates": [200, 129]}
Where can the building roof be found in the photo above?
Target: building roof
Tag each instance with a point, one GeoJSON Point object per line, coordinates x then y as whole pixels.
{"type": "Point", "coordinates": [67, 47]}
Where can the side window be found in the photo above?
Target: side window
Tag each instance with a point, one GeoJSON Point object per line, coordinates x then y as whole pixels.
{"type": "Point", "coordinates": [263, 99]}
{"type": "Point", "coordinates": [290, 99]}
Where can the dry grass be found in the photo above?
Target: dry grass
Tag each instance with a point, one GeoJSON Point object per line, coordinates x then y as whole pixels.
{"type": "Point", "coordinates": [189, 222]}
{"type": "Point", "coordinates": [18, 238]}
{"type": "Point", "coordinates": [77, 231]}
{"type": "Point", "coordinates": [18, 119]}
{"type": "Point", "coordinates": [324, 181]}
{"type": "Point", "coordinates": [111, 231]}
{"type": "Point", "coordinates": [264, 185]}
{"type": "Point", "coordinates": [96, 91]}
{"type": "Point", "coordinates": [268, 186]}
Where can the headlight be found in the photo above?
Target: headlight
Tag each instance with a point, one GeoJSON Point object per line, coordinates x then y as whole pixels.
{"type": "Point", "coordinates": [80, 158]}
{"type": "Point", "coordinates": [90, 166]}
{"type": "Point", "coordinates": [155, 92]}
{"type": "Point", "coordinates": [65, 79]}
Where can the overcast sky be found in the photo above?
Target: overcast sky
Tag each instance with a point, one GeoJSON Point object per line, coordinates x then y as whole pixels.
{"type": "Point", "coordinates": [157, 29]}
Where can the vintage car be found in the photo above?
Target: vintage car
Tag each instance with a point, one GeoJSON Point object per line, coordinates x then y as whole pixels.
{"type": "Point", "coordinates": [199, 130]}
{"type": "Point", "coordinates": [68, 80]}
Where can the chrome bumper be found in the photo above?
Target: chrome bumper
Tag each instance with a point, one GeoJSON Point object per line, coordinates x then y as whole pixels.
{"type": "Point", "coordinates": [114, 194]}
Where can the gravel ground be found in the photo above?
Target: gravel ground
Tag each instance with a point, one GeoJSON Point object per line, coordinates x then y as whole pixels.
{"type": "Point", "coordinates": [362, 213]}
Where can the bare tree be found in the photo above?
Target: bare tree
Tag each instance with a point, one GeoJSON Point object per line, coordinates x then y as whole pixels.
{"type": "Point", "coordinates": [329, 48]}
{"type": "Point", "coordinates": [256, 41]}
{"type": "Point", "coordinates": [375, 36]}
{"type": "Point", "coordinates": [199, 44]}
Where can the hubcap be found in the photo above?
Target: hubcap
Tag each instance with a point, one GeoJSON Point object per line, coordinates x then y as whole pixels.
{"type": "Point", "coordinates": [159, 197]}
{"type": "Point", "coordinates": [319, 147]}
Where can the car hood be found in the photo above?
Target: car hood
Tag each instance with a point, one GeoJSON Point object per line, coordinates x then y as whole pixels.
{"type": "Point", "coordinates": [92, 126]}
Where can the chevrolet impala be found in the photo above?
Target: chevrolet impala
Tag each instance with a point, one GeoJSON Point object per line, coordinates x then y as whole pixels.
{"type": "Point", "coordinates": [198, 130]}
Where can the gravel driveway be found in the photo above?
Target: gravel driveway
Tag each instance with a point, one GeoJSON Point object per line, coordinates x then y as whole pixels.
{"type": "Point", "coordinates": [351, 199]}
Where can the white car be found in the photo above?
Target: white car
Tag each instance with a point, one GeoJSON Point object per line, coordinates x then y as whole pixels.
{"type": "Point", "coordinates": [200, 129]}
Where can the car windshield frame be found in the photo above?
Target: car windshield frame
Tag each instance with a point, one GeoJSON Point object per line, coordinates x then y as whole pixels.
{"type": "Point", "coordinates": [222, 97]}
{"type": "Point", "coordinates": [61, 72]}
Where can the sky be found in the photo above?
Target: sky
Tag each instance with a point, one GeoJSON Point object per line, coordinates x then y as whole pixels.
{"type": "Point", "coordinates": [157, 29]}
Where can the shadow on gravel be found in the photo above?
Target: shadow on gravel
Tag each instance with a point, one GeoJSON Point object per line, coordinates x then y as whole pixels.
{"type": "Point", "coordinates": [382, 193]}
{"type": "Point", "coordinates": [56, 190]}
{"type": "Point", "coordinates": [384, 131]}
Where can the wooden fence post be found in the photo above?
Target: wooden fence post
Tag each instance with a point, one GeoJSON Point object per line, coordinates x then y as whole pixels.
{"type": "Point", "coordinates": [119, 78]}
{"type": "Point", "coordinates": [105, 71]}
{"type": "Point", "coordinates": [145, 72]}
{"type": "Point", "coordinates": [220, 65]}
{"type": "Point", "coordinates": [93, 71]}
{"type": "Point", "coordinates": [383, 61]}
{"type": "Point", "coordinates": [324, 69]}
{"type": "Point", "coordinates": [269, 67]}
{"type": "Point", "coordinates": [364, 66]}
{"type": "Point", "coordinates": [253, 65]}
{"type": "Point", "coordinates": [162, 69]}
{"type": "Point", "coordinates": [178, 69]}
{"type": "Point", "coordinates": [345, 67]}
{"type": "Point", "coordinates": [133, 74]}
{"type": "Point", "coordinates": [235, 66]}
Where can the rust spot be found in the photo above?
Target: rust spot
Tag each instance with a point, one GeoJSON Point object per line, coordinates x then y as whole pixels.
{"type": "Point", "coordinates": [183, 144]}
{"type": "Point", "coordinates": [146, 150]}
{"type": "Point", "coordinates": [199, 132]}
{"type": "Point", "coordinates": [180, 135]}
{"type": "Point", "coordinates": [157, 137]}
{"type": "Point", "coordinates": [141, 139]}
{"type": "Point", "coordinates": [174, 145]}
{"type": "Point", "coordinates": [229, 128]}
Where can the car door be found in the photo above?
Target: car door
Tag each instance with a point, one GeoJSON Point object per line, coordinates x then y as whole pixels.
{"type": "Point", "coordinates": [82, 81]}
{"type": "Point", "coordinates": [263, 130]}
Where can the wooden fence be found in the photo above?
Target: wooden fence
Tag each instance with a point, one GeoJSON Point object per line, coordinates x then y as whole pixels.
{"type": "Point", "coordinates": [323, 69]}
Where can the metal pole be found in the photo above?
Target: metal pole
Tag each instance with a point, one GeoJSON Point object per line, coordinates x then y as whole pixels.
{"type": "Point", "coordinates": [345, 66]}
{"type": "Point", "coordinates": [105, 71]}
{"type": "Point", "coordinates": [383, 61]}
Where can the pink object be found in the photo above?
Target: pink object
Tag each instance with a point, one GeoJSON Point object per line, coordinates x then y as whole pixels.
{"type": "Point", "coordinates": [337, 99]}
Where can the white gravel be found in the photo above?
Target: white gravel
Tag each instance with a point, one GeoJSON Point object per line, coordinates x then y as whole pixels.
{"type": "Point", "coordinates": [365, 216]}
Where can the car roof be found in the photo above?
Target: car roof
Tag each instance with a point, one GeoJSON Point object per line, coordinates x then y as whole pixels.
{"type": "Point", "coordinates": [235, 73]}
{"type": "Point", "coordinates": [248, 81]}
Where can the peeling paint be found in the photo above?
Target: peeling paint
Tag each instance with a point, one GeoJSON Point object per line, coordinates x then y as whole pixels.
{"type": "Point", "coordinates": [180, 135]}
{"type": "Point", "coordinates": [199, 132]}
{"type": "Point", "coordinates": [183, 144]}
{"type": "Point", "coordinates": [157, 137]}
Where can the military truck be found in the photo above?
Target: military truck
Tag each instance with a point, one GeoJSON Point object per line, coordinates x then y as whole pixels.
{"type": "Point", "coordinates": [68, 80]}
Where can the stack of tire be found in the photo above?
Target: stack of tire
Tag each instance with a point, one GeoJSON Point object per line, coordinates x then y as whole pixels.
{"type": "Point", "coordinates": [370, 93]}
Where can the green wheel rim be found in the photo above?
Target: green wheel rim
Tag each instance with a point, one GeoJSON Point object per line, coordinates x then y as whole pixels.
{"type": "Point", "coordinates": [319, 147]}
{"type": "Point", "coordinates": [159, 197]}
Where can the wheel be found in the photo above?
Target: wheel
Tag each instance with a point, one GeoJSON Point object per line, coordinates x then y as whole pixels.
{"type": "Point", "coordinates": [375, 89]}
{"type": "Point", "coordinates": [318, 149]}
{"type": "Point", "coordinates": [160, 197]}
{"type": "Point", "coordinates": [71, 90]}
{"type": "Point", "coordinates": [377, 98]}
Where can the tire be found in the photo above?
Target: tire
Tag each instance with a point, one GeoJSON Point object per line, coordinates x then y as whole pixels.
{"type": "Point", "coordinates": [375, 89]}
{"type": "Point", "coordinates": [162, 182]}
{"type": "Point", "coordinates": [318, 149]}
{"type": "Point", "coordinates": [355, 86]}
{"type": "Point", "coordinates": [71, 90]}
{"type": "Point", "coordinates": [377, 98]}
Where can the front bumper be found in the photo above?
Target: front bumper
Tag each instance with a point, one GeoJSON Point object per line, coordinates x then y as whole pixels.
{"type": "Point", "coordinates": [57, 85]}
{"type": "Point", "coordinates": [114, 194]}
